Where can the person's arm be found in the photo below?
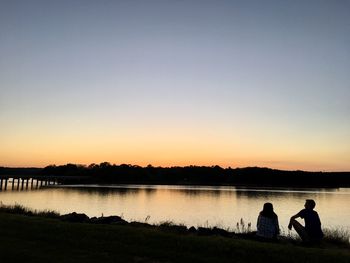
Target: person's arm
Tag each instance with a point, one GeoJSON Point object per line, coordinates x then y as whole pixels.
{"type": "Point", "coordinates": [277, 227]}
{"type": "Point", "coordinates": [291, 219]}
{"type": "Point", "coordinates": [258, 223]}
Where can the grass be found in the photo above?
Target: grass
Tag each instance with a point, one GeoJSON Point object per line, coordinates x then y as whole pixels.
{"type": "Point", "coordinates": [21, 210]}
{"type": "Point", "coordinates": [38, 239]}
{"type": "Point", "coordinates": [337, 236]}
{"type": "Point", "coordinates": [334, 237]}
{"type": "Point", "coordinates": [31, 237]}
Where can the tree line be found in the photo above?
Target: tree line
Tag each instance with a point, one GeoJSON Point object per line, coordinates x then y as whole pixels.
{"type": "Point", "coordinates": [208, 175]}
{"type": "Point", "coordinates": [196, 175]}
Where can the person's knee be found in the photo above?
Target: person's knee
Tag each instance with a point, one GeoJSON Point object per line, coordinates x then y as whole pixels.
{"type": "Point", "coordinates": [294, 222]}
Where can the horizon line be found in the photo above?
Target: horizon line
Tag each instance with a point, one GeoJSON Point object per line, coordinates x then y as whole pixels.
{"type": "Point", "coordinates": [178, 166]}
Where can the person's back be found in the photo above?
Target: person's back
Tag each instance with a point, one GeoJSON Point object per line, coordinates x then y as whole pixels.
{"type": "Point", "coordinates": [267, 225]}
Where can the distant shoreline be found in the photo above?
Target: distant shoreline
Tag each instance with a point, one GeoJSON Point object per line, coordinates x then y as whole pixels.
{"type": "Point", "coordinates": [106, 173]}
{"type": "Point", "coordinates": [35, 169]}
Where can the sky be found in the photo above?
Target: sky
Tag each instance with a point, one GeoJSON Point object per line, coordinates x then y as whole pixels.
{"type": "Point", "coordinates": [175, 83]}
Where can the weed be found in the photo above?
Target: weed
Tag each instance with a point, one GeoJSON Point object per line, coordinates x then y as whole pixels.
{"type": "Point", "coordinates": [241, 227]}
{"type": "Point", "coordinates": [337, 235]}
{"type": "Point", "coordinates": [19, 209]}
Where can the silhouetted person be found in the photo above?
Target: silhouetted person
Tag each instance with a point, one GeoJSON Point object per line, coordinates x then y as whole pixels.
{"type": "Point", "coordinates": [267, 224]}
{"type": "Point", "coordinates": [312, 231]}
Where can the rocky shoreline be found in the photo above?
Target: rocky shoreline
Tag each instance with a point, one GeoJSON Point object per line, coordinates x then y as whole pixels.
{"type": "Point", "coordinates": [168, 226]}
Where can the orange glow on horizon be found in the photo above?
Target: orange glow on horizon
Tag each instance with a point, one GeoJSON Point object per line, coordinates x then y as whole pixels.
{"type": "Point", "coordinates": [170, 147]}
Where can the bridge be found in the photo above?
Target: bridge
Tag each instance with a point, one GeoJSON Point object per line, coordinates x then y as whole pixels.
{"type": "Point", "coordinates": [24, 182]}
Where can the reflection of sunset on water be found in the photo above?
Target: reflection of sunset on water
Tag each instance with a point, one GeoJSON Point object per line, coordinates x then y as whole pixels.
{"type": "Point", "coordinates": [197, 206]}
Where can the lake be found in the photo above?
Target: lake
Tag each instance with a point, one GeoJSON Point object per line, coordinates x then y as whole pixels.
{"type": "Point", "coordinates": [189, 205]}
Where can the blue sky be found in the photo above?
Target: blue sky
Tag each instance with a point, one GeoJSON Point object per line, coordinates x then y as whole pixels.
{"type": "Point", "coordinates": [233, 83]}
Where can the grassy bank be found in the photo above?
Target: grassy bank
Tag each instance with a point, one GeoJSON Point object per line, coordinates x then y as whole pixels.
{"type": "Point", "coordinates": [39, 239]}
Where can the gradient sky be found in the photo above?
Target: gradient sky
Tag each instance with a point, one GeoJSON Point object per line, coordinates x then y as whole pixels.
{"type": "Point", "coordinates": [175, 82]}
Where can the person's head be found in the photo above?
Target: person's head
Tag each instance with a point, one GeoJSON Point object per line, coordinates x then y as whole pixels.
{"type": "Point", "coordinates": [310, 204]}
{"type": "Point", "coordinates": [268, 208]}
{"type": "Point", "coordinates": [268, 211]}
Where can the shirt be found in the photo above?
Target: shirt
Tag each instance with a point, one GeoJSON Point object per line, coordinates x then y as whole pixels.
{"type": "Point", "coordinates": [312, 223]}
{"type": "Point", "coordinates": [267, 227]}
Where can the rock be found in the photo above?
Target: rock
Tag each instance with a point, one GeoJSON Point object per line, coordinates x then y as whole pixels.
{"type": "Point", "coordinates": [204, 231]}
{"type": "Point", "coordinates": [192, 230]}
{"type": "Point", "coordinates": [109, 220]}
{"type": "Point", "coordinates": [221, 232]}
{"type": "Point", "coordinates": [174, 228]}
{"type": "Point", "coordinates": [139, 224]}
{"type": "Point", "coordinates": [75, 218]}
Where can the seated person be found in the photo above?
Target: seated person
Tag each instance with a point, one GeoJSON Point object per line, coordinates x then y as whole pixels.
{"type": "Point", "coordinates": [267, 223]}
{"type": "Point", "coordinates": [312, 231]}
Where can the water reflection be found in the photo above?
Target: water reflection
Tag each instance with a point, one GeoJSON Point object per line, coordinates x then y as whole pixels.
{"type": "Point", "coordinates": [191, 205]}
{"type": "Point", "coordinates": [105, 191]}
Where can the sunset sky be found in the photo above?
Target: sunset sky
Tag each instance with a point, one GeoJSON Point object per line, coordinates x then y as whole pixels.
{"type": "Point", "coordinates": [176, 82]}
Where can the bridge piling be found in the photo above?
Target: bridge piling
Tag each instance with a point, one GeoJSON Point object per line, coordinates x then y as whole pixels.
{"type": "Point", "coordinates": [25, 182]}
{"type": "Point", "coordinates": [22, 184]}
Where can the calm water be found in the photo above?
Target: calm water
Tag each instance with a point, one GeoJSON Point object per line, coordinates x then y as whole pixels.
{"type": "Point", "coordinates": [197, 206]}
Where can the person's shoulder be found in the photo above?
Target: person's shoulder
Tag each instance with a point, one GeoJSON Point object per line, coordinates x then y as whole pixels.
{"type": "Point", "coordinates": [261, 216]}
{"type": "Point", "coordinates": [302, 213]}
{"type": "Point", "coordinates": [308, 213]}
{"type": "Point", "coordinates": [315, 212]}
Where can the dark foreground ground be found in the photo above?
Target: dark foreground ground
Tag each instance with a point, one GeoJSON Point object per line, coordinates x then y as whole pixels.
{"type": "Point", "coordinates": [38, 239]}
